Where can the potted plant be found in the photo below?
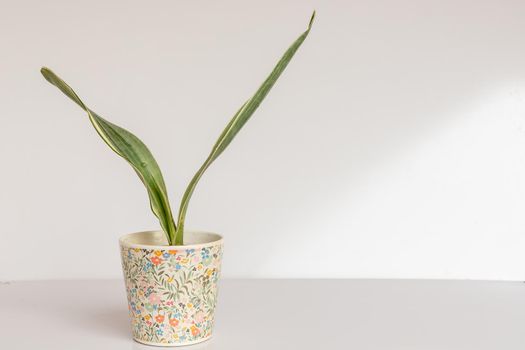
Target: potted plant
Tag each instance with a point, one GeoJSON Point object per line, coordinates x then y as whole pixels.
{"type": "Point", "coordinates": [171, 275]}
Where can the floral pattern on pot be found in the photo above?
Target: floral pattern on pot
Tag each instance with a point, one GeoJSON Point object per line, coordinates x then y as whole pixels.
{"type": "Point", "coordinates": [172, 293]}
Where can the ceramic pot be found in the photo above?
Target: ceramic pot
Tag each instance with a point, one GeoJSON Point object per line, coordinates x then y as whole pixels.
{"type": "Point", "coordinates": [172, 290]}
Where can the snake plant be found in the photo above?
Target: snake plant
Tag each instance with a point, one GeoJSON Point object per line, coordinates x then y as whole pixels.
{"type": "Point", "coordinates": [135, 152]}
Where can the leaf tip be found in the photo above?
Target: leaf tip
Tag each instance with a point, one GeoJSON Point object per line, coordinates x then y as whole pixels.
{"type": "Point", "coordinates": [311, 21]}
{"type": "Point", "coordinates": [48, 74]}
{"type": "Point", "coordinates": [44, 70]}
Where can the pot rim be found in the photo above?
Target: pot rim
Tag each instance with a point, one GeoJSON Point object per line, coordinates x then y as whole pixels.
{"type": "Point", "coordinates": [218, 240]}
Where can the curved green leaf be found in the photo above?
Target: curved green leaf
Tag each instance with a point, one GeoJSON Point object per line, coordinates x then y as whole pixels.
{"type": "Point", "coordinates": [234, 126]}
{"type": "Point", "coordinates": [133, 150]}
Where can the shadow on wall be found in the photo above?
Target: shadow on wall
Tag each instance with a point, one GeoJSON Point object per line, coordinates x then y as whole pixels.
{"type": "Point", "coordinates": [381, 78]}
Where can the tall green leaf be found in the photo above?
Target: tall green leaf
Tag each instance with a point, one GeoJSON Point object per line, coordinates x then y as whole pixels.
{"type": "Point", "coordinates": [234, 126]}
{"type": "Point", "coordinates": [133, 150]}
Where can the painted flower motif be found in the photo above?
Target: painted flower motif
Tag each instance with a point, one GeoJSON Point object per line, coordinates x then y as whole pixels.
{"type": "Point", "coordinates": [147, 267]}
{"type": "Point", "coordinates": [156, 260]}
{"type": "Point", "coordinates": [207, 261]}
{"type": "Point", "coordinates": [167, 301]}
{"type": "Point", "coordinates": [154, 298]}
{"type": "Point", "coordinates": [199, 317]}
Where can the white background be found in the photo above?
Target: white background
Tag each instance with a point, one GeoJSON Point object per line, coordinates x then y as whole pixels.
{"type": "Point", "coordinates": [392, 147]}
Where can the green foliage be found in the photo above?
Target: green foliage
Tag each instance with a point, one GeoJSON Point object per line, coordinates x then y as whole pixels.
{"type": "Point", "coordinates": [135, 152]}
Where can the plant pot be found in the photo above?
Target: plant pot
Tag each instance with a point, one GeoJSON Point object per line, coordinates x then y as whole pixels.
{"type": "Point", "coordinates": [172, 290]}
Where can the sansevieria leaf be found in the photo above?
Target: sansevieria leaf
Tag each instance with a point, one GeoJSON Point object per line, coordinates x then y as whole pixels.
{"type": "Point", "coordinates": [133, 150]}
{"type": "Point", "coordinates": [234, 126]}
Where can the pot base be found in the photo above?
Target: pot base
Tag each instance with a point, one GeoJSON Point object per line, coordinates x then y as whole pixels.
{"type": "Point", "coordinates": [172, 344]}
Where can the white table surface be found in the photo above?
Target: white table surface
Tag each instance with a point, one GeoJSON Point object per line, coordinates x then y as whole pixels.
{"type": "Point", "coordinates": [280, 314]}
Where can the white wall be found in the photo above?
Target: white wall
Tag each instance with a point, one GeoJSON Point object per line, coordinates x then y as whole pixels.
{"type": "Point", "coordinates": [393, 146]}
